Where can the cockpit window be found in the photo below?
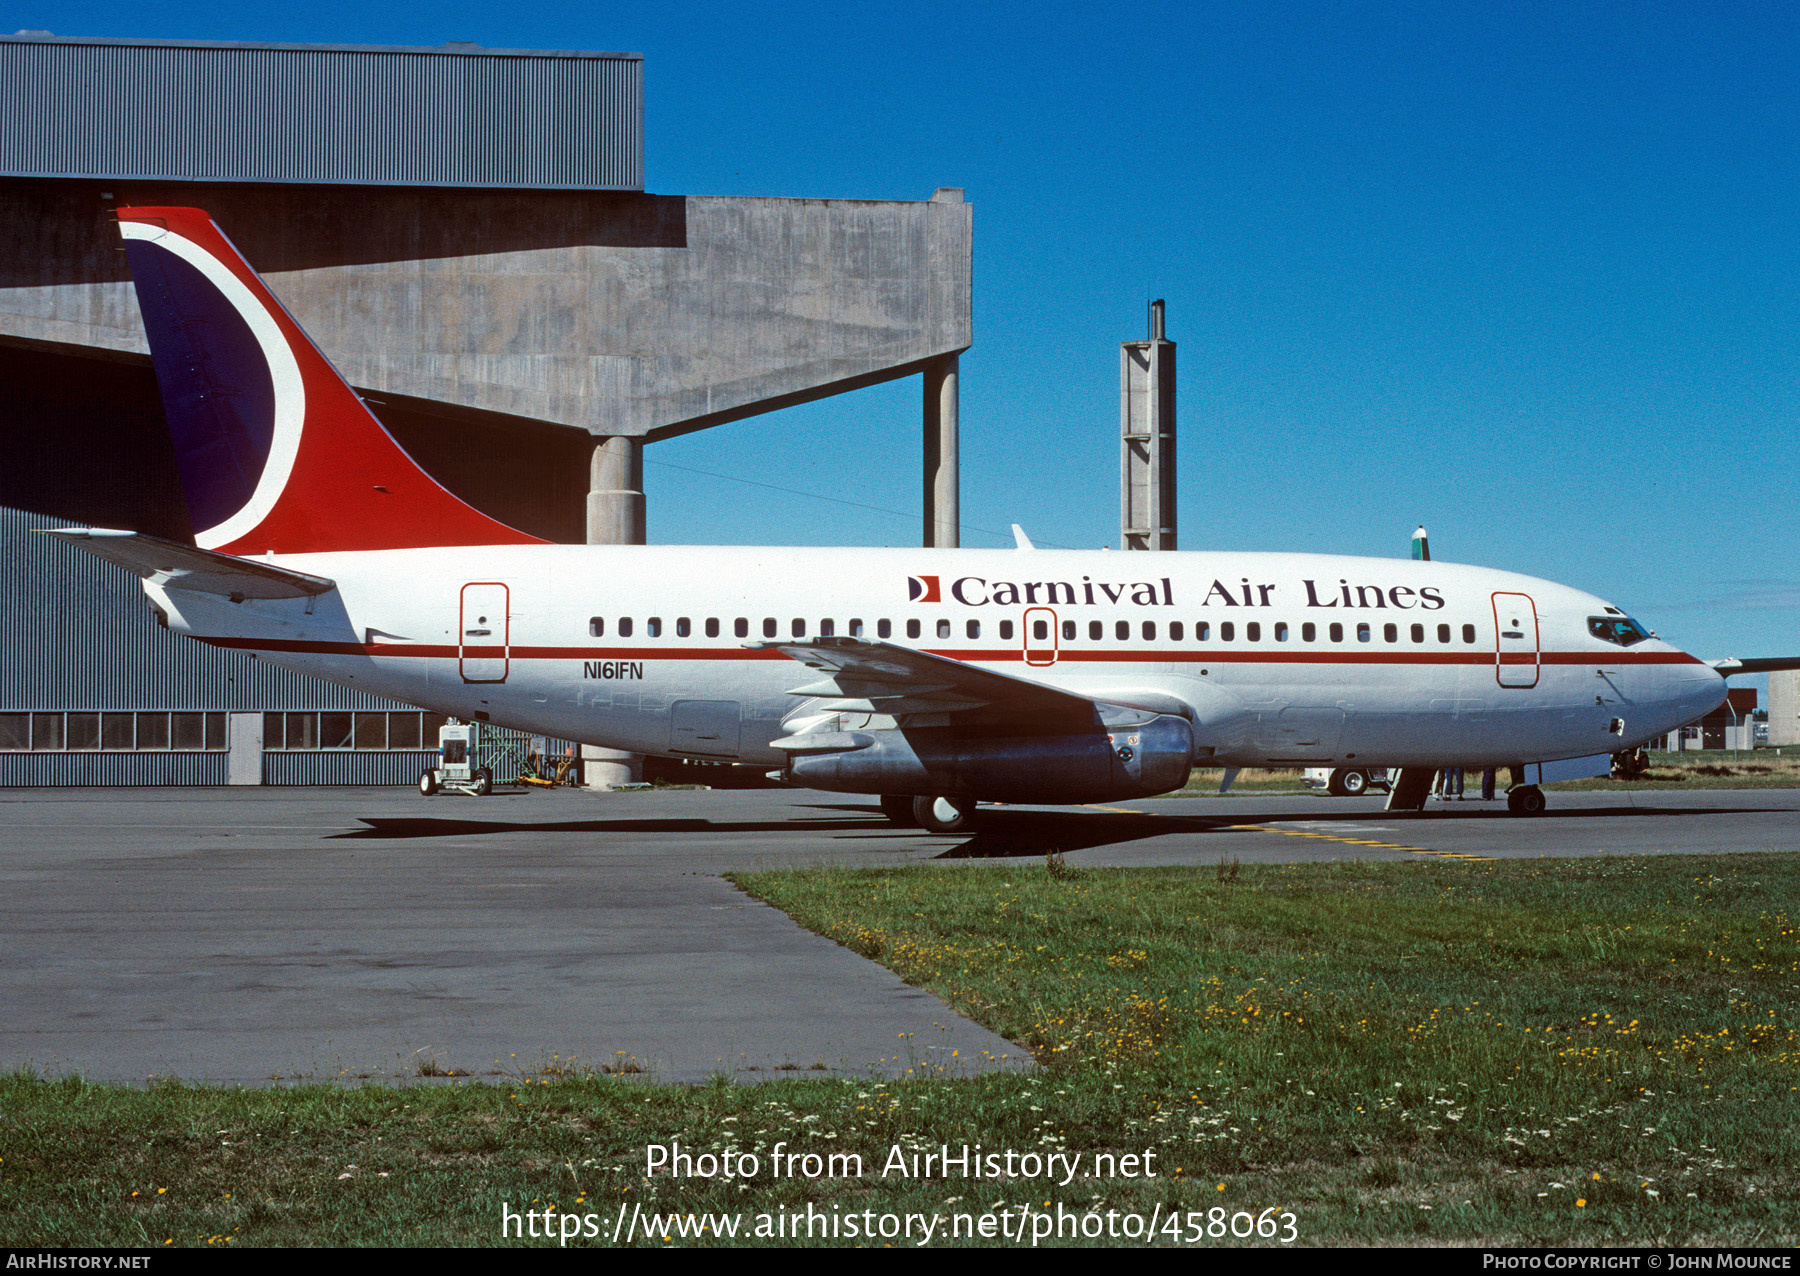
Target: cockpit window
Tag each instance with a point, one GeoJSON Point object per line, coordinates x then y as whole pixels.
{"type": "Point", "coordinates": [1621, 631]}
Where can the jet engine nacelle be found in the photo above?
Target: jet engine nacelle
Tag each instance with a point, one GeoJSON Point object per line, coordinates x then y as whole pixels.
{"type": "Point", "coordinates": [1104, 765]}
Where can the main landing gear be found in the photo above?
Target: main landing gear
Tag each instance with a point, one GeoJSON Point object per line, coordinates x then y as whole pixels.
{"type": "Point", "coordinates": [1527, 799]}
{"type": "Point", "coordinates": [944, 814]}
{"type": "Point", "coordinates": [933, 814]}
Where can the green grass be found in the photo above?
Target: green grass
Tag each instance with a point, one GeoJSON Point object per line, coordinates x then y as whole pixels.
{"type": "Point", "coordinates": [1397, 1052]}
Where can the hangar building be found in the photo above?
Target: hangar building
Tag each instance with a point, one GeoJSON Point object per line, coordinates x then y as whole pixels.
{"type": "Point", "coordinates": [466, 233]}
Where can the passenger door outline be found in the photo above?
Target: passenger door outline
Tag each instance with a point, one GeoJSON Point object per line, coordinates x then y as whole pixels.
{"type": "Point", "coordinates": [479, 614]}
{"type": "Point", "coordinates": [1517, 649]}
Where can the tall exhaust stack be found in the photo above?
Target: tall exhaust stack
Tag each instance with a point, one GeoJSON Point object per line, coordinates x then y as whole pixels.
{"type": "Point", "coordinates": [1147, 439]}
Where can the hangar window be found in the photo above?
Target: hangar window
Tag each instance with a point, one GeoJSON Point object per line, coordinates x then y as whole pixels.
{"type": "Point", "coordinates": [153, 731]}
{"type": "Point", "coordinates": [884, 629]}
{"type": "Point", "coordinates": [403, 731]}
{"type": "Point", "coordinates": [913, 629]}
{"type": "Point", "coordinates": [1096, 631]}
{"type": "Point", "coordinates": [683, 627]}
{"type": "Point", "coordinates": [1202, 631]}
{"type": "Point", "coordinates": [1390, 633]}
{"type": "Point", "coordinates": [1443, 633]}
{"type": "Point", "coordinates": [1418, 633]}
{"type": "Point", "coordinates": [797, 627]}
{"type": "Point", "coordinates": [740, 627]}
{"type": "Point", "coordinates": [943, 629]}
{"type": "Point", "coordinates": [84, 730]}
{"type": "Point", "coordinates": [653, 627]}
{"type": "Point", "coordinates": [1281, 631]}
{"type": "Point", "coordinates": [827, 628]}
{"type": "Point", "coordinates": [1149, 631]}
{"type": "Point", "coordinates": [1177, 631]}
{"type": "Point", "coordinates": [302, 731]}
{"type": "Point", "coordinates": [973, 629]}
{"type": "Point", "coordinates": [188, 730]}
{"type": "Point", "coordinates": [1253, 632]}
{"type": "Point", "coordinates": [46, 731]}
{"type": "Point", "coordinates": [856, 628]}
{"type": "Point", "coordinates": [119, 730]}
{"type": "Point", "coordinates": [370, 732]}
{"type": "Point", "coordinates": [712, 626]}
{"type": "Point", "coordinates": [1619, 630]}
{"type": "Point", "coordinates": [15, 731]}
{"type": "Point", "coordinates": [1309, 632]}
{"type": "Point", "coordinates": [1468, 633]}
{"type": "Point", "coordinates": [596, 627]}
{"type": "Point", "coordinates": [768, 626]}
{"type": "Point", "coordinates": [1227, 631]}
{"type": "Point", "coordinates": [1336, 633]}
{"type": "Point", "coordinates": [624, 626]}
{"type": "Point", "coordinates": [1006, 630]}
{"type": "Point", "coordinates": [1363, 633]}
{"type": "Point", "coordinates": [1122, 630]}
{"type": "Point", "coordinates": [334, 731]}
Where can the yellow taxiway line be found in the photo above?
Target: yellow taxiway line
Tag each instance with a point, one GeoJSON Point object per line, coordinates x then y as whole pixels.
{"type": "Point", "coordinates": [1322, 837]}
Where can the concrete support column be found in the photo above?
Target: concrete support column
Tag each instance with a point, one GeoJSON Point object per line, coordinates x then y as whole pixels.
{"type": "Point", "coordinates": [615, 516]}
{"type": "Point", "coordinates": [610, 768]}
{"type": "Point", "coordinates": [615, 503]}
{"type": "Point", "coordinates": [942, 515]}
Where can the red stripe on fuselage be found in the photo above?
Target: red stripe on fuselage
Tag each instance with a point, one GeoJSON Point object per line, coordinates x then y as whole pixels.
{"type": "Point", "coordinates": [970, 655]}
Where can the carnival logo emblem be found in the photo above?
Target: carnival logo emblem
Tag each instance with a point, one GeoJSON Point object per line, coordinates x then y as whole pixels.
{"type": "Point", "coordinates": [922, 589]}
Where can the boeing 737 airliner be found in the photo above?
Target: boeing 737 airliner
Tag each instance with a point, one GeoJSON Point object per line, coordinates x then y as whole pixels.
{"type": "Point", "coordinates": [934, 678]}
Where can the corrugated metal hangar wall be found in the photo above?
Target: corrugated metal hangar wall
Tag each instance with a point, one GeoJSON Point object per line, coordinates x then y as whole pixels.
{"type": "Point", "coordinates": [465, 232]}
{"type": "Point", "coordinates": [93, 691]}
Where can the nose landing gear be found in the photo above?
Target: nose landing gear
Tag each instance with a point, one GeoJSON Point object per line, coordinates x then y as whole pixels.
{"type": "Point", "coordinates": [1527, 799]}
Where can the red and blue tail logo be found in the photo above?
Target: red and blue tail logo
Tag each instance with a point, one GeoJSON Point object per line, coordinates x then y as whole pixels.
{"type": "Point", "coordinates": [276, 452]}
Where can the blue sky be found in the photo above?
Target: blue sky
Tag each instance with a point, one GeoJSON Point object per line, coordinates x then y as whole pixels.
{"type": "Point", "coordinates": [1528, 274]}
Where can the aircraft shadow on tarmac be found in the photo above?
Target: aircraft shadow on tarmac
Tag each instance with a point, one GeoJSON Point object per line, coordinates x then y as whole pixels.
{"type": "Point", "coordinates": [1008, 833]}
{"type": "Point", "coordinates": [376, 827]}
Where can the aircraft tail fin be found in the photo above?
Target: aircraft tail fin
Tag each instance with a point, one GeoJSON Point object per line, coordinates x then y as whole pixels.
{"type": "Point", "coordinates": [277, 453]}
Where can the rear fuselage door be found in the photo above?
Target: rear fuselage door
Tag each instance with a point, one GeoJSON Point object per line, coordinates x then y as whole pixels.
{"type": "Point", "coordinates": [1040, 636]}
{"type": "Point", "coordinates": [484, 638]}
{"type": "Point", "coordinates": [1515, 640]}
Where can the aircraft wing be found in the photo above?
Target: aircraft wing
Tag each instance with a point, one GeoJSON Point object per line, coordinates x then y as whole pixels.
{"type": "Point", "coordinates": [1769, 664]}
{"type": "Point", "coordinates": [861, 675]}
{"type": "Point", "coordinates": [180, 566]}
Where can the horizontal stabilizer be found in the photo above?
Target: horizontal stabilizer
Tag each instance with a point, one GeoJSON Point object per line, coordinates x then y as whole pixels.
{"type": "Point", "coordinates": [1769, 664]}
{"type": "Point", "coordinates": [178, 566]}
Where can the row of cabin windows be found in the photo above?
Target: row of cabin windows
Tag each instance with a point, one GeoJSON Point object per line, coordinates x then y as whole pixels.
{"type": "Point", "coordinates": [1040, 630]}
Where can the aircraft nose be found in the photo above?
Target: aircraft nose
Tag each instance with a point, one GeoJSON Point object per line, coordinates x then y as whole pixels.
{"type": "Point", "coordinates": [1697, 690]}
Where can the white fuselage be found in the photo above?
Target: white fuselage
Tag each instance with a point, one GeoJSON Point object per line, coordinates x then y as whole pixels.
{"type": "Point", "coordinates": [535, 637]}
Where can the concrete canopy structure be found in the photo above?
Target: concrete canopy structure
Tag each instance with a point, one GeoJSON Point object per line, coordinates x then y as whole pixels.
{"type": "Point", "coordinates": [608, 311]}
{"type": "Point", "coordinates": [465, 234]}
